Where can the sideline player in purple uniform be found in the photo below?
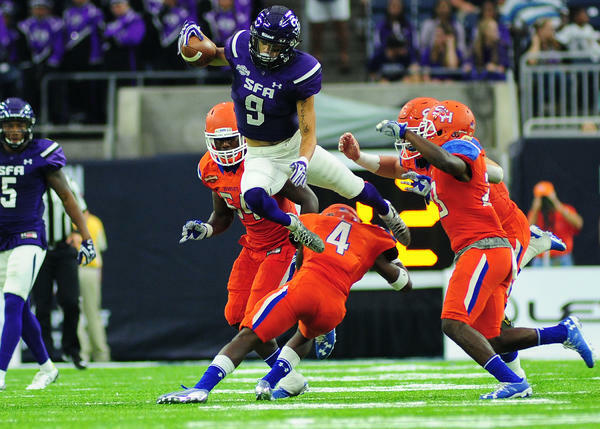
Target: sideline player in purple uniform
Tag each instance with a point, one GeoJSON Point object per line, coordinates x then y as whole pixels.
{"type": "Point", "coordinates": [273, 89]}
{"type": "Point", "coordinates": [27, 167]}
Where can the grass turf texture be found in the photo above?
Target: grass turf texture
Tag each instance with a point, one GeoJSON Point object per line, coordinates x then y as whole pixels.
{"type": "Point", "coordinates": [342, 394]}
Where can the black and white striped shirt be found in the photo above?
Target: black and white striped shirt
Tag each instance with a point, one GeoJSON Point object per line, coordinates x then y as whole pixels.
{"type": "Point", "coordinates": [57, 221]}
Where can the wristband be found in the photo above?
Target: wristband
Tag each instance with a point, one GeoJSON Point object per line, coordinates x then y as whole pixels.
{"type": "Point", "coordinates": [368, 161]}
{"type": "Point", "coordinates": [401, 281]}
{"type": "Point", "coordinates": [209, 230]}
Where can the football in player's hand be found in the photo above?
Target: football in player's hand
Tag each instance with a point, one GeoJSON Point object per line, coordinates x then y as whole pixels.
{"type": "Point", "coordinates": [199, 52]}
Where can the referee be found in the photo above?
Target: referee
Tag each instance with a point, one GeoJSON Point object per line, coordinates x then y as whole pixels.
{"type": "Point", "coordinates": [60, 265]}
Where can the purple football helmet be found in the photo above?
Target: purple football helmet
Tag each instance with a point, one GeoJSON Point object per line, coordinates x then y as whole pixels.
{"type": "Point", "coordinates": [15, 109]}
{"type": "Point", "coordinates": [275, 33]}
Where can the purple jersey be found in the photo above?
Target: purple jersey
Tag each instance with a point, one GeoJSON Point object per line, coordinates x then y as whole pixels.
{"type": "Point", "coordinates": [265, 100]}
{"type": "Point", "coordinates": [23, 178]}
{"type": "Point", "coordinates": [82, 22]}
{"type": "Point", "coordinates": [44, 39]}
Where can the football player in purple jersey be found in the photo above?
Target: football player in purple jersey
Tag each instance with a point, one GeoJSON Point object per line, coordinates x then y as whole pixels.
{"type": "Point", "coordinates": [27, 167]}
{"type": "Point", "coordinates": [274, 87]}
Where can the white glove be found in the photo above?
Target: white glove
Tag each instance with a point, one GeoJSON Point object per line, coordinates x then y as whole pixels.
{"type": "Point", "coordinates": [298, 177]}
{"type": "Point", "coordinates": [393, 129]}
{"type": "Point", "coordinates": [195, 230]}
{"type": "Point", "coordinates": [86, 253]}
{"type": "Point", "coordinates": [418, 183]}
{"type": "Point", "coordinates": [189, 29]}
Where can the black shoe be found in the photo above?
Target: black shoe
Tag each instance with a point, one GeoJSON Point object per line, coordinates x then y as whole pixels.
{"type": "Point", "coordinates": [77, 362]}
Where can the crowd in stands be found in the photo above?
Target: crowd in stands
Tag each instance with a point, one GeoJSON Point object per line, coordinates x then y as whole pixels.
{"type": "Point", "coordinates": [42, 36]}
{"type": "Point", "coordinates": [474, 40]}
{"type": "Point", "coordinates": [448, 39]}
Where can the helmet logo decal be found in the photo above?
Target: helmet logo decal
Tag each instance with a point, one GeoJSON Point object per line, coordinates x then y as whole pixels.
{"type": "Point", "coordinates": [443, 114]}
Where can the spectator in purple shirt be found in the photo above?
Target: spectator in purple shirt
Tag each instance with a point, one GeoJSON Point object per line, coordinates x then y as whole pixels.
{"type": "Point", "coordinates": [170, 18]}
{"type": "Point", "coordinates": [123, 37]}
{"type": "Point", "coordinates": [10, 73]}
{"type": "Point", "coordinates": [442, 61]}
{"type": "Point", "coordinates": [394, 52]}
{"type": "Point", "coordinates": [227, 17]}
{"type": "Point", "coordinates": [43, 34]}
{"type": "Point", "coordinates": [490, 53]}
{"type": "Point", "coordinates": [84, 25]}
{"type": "Point", "coordinates": [443, 15]}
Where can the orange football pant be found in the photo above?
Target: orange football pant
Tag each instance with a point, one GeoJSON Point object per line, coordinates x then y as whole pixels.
{"type": "Point", "coordinates": [253, 275]}
{"type": "Point", "coordinates": [309, 299]}
{"type": "Point", "coordinates": [477, 290]}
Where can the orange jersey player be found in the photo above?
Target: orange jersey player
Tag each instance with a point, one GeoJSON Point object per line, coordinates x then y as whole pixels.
{"type": "Point", "coordinates": [476, 295]}
{"type": "Point", "coordinates": [266, 260]}
{"type": "Point", "coordinates": [315, 298]}
{"type": "Point", "coordinates": [512, 219]}
{"type": "Point", "coordinates": [525, 243]}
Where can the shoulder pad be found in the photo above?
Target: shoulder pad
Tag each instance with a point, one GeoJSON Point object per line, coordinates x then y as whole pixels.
{"type": "Point", "coordinates": [235, 44]}
{"type": "Point", "coordinates": [204, 165]}
{"type": "Point", "coordinates": [46, 147]}
{"type": "Point", "coordinates": [306, 68]}
{"type": "Point", "coordinates": [470, 149]}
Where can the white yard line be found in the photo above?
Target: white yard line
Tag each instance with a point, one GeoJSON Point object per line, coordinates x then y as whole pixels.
{"type": "Point", "coordinates": [356, 422]}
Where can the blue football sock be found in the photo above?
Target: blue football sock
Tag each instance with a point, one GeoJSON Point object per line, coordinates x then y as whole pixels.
{"type": "Point", "coordinates": [32, 335]}
{"type": "Point", "coordinates": [498, 369]}
{"type": "Point", "coordinates": [552, 335]}
{"type": "Point", "coordinates": [211, 377]}
{"type": "Point", "coordinates": [273, 358]}
{"type": "Point", "coordinates": [371, 197]}
{"type": "Point", "coordinates": [11, 331]}
{"type": "Point", "coordinates": [509, 357]}
{"type": "Point", "coordinates": [281, 368]}
{"type": "Point", "coordinates": [217, 371]}
{"type": "Point", "coordinates": [266, 207]}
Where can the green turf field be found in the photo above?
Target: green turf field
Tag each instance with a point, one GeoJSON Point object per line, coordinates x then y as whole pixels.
{"type": "Point", "coordinates": [343, 394]}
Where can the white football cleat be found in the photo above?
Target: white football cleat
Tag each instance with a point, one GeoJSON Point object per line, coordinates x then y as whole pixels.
{"type": "Point", "coordinates": [43, 379]}
{"type": "Point", "coordinates": [186, 396]}
{"type": "Point", "coordinates": [293, 384]}
{"type": "Point", "coordinates": [399, 229]}
{"type": "Point", "coordinates": [263, 391]}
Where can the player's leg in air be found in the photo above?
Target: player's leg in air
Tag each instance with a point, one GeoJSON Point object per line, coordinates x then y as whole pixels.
{"type": "Point", "coordinates": [567, 332]}
{"type": "Point", "coordinates": [326, 171]}
{"type": "Point", "coordinates": [541, 241]}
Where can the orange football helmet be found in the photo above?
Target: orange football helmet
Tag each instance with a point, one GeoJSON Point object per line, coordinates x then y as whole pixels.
{"type": "Point", "coordinates": [224, 142]}
{"type": "Point", "coordinates": [413, 113]}
{"type": "Point", "coordinates": [342, 211]}
{"type": "Point", "coordinates": [447, 121]}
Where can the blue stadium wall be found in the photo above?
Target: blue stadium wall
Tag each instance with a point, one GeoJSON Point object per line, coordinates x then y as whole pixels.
{"type": "Point", "coordinates": [166, 300]}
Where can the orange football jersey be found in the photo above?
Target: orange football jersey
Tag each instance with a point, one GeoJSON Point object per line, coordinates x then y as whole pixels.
{"type": "Point", "coordinates": [513, 220]}
{"type": "Point", "coordinates": [261, 234]}
{"type": "Point", "coordinates": [466, 212]}
{"type": "Point", "coordinates": [350, 249]}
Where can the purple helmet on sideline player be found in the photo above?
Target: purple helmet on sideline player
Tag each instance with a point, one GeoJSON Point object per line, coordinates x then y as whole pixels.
{"type": "Point", "coordinates": [15, 109]}
{"type": "Point", "coordinates": [274, 34]}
